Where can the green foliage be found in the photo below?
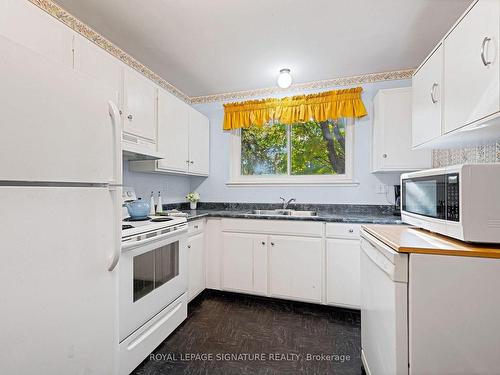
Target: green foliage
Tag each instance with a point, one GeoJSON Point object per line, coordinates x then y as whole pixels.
{"type": "Point", "coordinates": [264, 150]}
{"type": "Point", "coordinates": [315, 149]}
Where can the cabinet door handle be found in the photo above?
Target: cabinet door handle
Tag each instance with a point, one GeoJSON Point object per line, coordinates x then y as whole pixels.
{"type": "Point", "coordinates": [272, 243]}
{"type": "Point", "coordinates": [196, 227]}
{"type": "Point", "coordinates": [189, 246]}
{"type": "Point", "coordinates": [130, 117]}
{"type": "Point", "coordinates": [351, 230]}
{"type": "Point", "coordinates": [187, 161]}
{"type": "Point", "coordinates": [263, 243]}
{"type": "Point", "coordinates": [192, 162]}
{"type": "Point", "coordinates": [433, 91]}
{"type": "Point", "coordinates": [384, 156]}
{"type": "Point", "coordinates": [483, 51]}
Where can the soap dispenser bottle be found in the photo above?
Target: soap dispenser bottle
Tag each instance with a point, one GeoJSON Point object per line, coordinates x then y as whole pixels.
{"type": "Point", "coordinates": [152, 204]}
{"type": "Point", "coordinates": [159, 207]}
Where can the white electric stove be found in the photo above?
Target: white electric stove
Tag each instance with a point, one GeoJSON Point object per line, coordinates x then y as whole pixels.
{"type": "Point", "coordinates": [153, 283]}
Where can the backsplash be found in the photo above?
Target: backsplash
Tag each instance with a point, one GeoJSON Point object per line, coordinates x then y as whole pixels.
{"type": "Point", "coordinates": [479, 154]}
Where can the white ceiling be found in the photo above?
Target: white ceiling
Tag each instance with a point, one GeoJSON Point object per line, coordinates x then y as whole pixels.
{"type": "Point", "coordinates": [206, 47]}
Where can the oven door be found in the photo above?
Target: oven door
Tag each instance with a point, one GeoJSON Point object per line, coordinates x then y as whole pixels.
{"type": "Point", "coordinates": [153, 273]}
{"type": "Point", "coordinates": [424, 195]}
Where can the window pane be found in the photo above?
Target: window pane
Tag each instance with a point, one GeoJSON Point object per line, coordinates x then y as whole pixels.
{"type": "Point", "coordinates": [264, 150]}
{"type": "Point", "coordinates": [318, 148]}
{"type": "Point", "coordinates": [144, 274]}
{"type": "Point", "coordinates": [166, 263]}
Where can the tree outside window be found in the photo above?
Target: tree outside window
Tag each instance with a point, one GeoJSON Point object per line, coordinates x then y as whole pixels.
{"type": "Point", "coordinates": [311, 148]}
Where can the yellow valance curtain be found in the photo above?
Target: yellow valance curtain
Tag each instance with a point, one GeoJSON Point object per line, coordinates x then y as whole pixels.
{"type": "Point", "coordinates": [329, 105]}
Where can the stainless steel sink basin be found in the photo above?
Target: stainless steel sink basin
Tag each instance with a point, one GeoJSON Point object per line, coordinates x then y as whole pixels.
{"type": "Point", "coordinates": [281, 212]}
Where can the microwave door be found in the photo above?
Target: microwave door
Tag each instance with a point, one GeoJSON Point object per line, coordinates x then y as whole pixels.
{"type": "Point", "coordinates": [425, 196]}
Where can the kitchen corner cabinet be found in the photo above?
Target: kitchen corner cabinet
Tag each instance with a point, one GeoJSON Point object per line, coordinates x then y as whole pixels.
{"type": "Point", "coordinates": [139, 106]}
{"type": "Point", "coordinates": [199, 143]}
{"type": "Point", "coordinates": [26, 24]}
{"type": "Point", "coordinates": [244, 263]}
{"type": "Point", "coordinates": [183, 138]}
{"type": "Point", "coordinates": [295, 268]}
{"type": "Point", "coordinates": [427, 88]}
{"type": "Point", "coordinates": [392, 133]}
{"type": "Point", "coordinates": [471, 66]}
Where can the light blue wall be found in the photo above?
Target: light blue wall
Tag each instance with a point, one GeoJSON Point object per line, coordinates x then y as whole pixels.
{"type": "Point", "coordinates": [173, 188]}
{"type": "Point", "coordinates": [214, 188]}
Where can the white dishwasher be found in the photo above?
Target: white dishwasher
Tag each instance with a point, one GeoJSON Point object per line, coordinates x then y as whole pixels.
{"type": "Point", "coordinates": [384, 308]}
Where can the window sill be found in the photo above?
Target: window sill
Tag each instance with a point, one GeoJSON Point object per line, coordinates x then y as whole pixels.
{"type": "Point", "coordinates": [292, 181]}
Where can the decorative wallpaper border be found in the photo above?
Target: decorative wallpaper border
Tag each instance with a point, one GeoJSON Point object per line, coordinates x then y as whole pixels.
{"type": "Point", "coordinates": [329, 83]}
{"type": "Point", "coordinates": [81, 28]}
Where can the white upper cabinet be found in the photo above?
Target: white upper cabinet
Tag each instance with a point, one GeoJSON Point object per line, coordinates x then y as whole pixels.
{"type": "Point", "coordinates": [427, 87]}
{"type": "Point", "coordinates": [183, 139]}
{"type": "Point", "coordinates": [173, 133]}
{"type": "Point", "coordinates": [199, 143]}
{"type": "Point", "coordinates": [458, 86]}
{"type": "Point", "coordinates": [392, 128]}
{"type": "Point", "coordinates": [139, 105]}
{"type": "Point", "coordinates": [26, 24]}
{"type": "Point", "coordinates": [95, 62]}
{"type": "Point", "coordinates": [471, 66]}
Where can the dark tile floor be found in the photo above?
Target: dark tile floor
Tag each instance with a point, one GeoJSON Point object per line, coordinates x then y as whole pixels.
{"type": "Point", "coordinates": [228, 333]}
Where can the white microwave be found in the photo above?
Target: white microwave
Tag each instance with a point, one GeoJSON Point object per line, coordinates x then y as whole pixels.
{"type": "Point", "coordinates": [461, 201]}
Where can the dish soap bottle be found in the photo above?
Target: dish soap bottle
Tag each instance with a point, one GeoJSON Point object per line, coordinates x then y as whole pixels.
{"type": "Point", "coordinates": [152, 204]}
{"type": "Point", "coordinates": [159, 207]}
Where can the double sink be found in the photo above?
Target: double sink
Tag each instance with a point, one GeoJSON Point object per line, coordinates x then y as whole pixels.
{"type": "Point", "coordinates": [284, 212]}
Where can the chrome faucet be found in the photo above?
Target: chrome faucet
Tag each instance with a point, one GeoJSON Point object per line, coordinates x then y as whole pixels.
{"type": "Point", "coordinates": [285, 203]}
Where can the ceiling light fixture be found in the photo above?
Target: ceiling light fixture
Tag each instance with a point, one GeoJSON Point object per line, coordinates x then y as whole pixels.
{"type": "Point", "coordinates": [285, 78]}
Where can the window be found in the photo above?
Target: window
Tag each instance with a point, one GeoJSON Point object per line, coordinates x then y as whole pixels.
{"type": "Point", "coordinates": [303, 153]}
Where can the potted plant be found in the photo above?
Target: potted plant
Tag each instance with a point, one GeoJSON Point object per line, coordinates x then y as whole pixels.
{"type": "Point", "coordinates": [193, 198]}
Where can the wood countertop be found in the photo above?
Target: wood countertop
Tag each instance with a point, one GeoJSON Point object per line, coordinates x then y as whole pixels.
{"type": "Point", "coordinates": [406, 239]}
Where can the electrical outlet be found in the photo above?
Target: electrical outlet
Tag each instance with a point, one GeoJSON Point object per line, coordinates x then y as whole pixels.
{"type": "Point", "coordinates": [381, 189]}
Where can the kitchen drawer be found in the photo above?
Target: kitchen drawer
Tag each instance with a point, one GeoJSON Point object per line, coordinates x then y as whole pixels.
{"type": "Point", "coordinates": [136, 347]}
{"type": "Point", "coordinates": [284, 227]}
{"type": "Point", "coordinates": [343, 230]}
{"type": "Point", "coordinates": [196, 226]}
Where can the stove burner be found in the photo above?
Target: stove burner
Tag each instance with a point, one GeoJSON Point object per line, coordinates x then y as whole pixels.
{"type": "Point", "coordinates": [127, 227]}
{"type": "Point", "coordinates": [141, 219]}
{"type": "Point", "coordinates": [160, 219]}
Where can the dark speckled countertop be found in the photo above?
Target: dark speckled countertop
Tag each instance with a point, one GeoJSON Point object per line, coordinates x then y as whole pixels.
{"type": "Point", "coordinates": [363, 214]}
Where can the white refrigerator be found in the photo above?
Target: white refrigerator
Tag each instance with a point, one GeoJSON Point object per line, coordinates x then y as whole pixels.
{"type": "Point", "coordinates": [60, 218]}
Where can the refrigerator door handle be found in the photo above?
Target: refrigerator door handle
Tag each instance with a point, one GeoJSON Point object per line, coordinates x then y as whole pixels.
{"type": "Point", "coordinates": [117, 139]}
{"type": "Point", "coordinates": [116, 195]}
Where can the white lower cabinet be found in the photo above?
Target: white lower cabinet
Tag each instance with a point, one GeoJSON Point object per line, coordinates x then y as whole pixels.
{"type": "Point", "coordinates": [196, 270]}
{"type": "Point", "coordinates": [318, 263]}
{"type": "Point", "coordinates": [343, 272]}
{"type": "Point", "coordinates": [244, 263]}
{"type": "Point", "coordinates": [295, 268]}
{"type": "Point", "coordinates": [343, 265]}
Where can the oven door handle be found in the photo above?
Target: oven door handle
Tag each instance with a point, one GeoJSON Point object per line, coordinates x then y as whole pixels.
{"type": "Point", "coordinates": [126, 246]}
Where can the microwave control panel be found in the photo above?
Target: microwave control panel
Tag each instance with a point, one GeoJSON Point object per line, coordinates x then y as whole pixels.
{"type": "Point", "coordinates": [452, 197]}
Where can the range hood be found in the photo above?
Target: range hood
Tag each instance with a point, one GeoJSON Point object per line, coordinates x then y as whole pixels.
{"type": "Point", "coordinates": [139, 152]}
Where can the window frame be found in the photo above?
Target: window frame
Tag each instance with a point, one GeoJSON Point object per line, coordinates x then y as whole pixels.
{"type": "Point", "coordinates": [346, 179]}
